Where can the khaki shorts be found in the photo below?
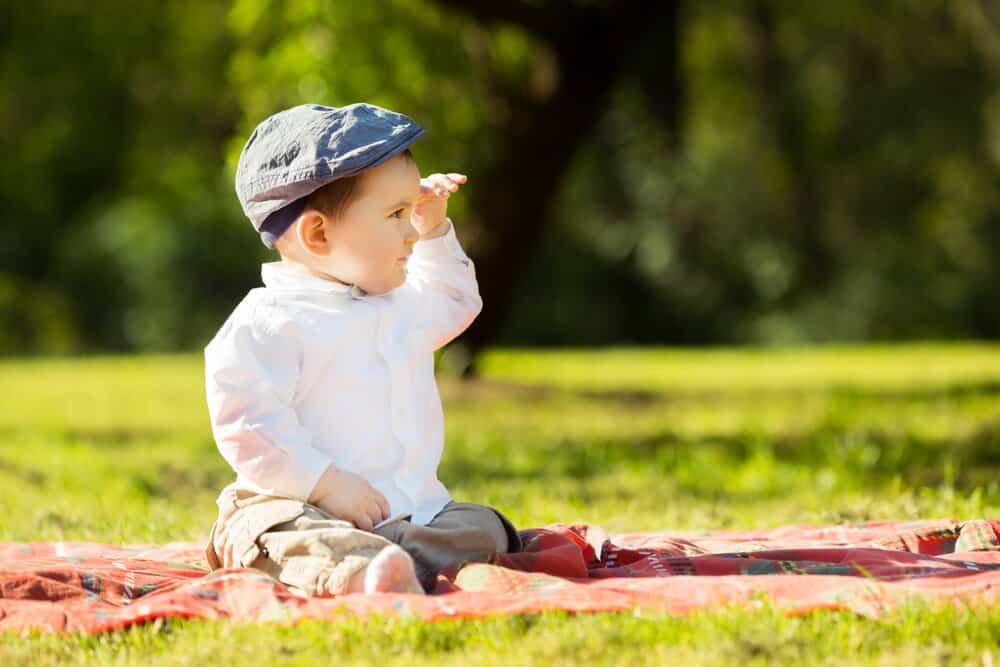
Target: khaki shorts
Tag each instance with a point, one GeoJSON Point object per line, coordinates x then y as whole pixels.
{"type": "Point", "coordinates": [315, 553]}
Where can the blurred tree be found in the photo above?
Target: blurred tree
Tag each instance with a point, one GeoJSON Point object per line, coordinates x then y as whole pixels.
{"type": "Point", "coordinates": [111, 121]}
{"type": "Point", "coordinates": [581, 49]}
{"type": "Point", "coordinates": [760, 171]}
{"type": "Point", "coordinates": [838, 182]}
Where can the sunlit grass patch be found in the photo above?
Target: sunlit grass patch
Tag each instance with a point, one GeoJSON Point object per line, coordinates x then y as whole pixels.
{"type": "Point", "coordinates": [119, 450]}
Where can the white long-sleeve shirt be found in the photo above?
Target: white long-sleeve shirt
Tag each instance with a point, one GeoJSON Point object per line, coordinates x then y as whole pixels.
{"type": "Point", "coordinates": [307, 371]}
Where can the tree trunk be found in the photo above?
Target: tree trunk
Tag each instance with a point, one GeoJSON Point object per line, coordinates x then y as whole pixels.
{"type": "Point", "coordinates": [540, 136]}
{"type": "Point", "coordinates": [784, 114]}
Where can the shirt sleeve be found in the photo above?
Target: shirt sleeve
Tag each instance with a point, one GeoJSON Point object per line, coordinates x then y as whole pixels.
{"type": "Point", "coordinates": [251, 371]}
{"type": "Point", "coordinates": [441, 281]}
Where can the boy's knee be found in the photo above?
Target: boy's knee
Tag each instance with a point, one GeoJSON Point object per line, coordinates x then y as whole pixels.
{"type": "Point", "coordinates": [498, 533]}
{"type": "Point", "coordinates": [496, 530]}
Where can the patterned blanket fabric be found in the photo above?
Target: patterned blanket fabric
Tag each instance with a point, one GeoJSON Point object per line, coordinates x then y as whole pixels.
{"type": "Point", "coordinates": [865, 568]}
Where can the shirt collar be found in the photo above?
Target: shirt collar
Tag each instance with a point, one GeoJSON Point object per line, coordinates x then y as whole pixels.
{"type": "Point", "coordinates": [278, 275]}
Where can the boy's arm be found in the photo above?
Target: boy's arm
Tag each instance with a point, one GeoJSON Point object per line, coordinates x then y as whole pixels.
{"type": "Point", "coordinates": [441, 280]}
{"type": "Point", "coordinates": [441, 287]}
{"type": "Point", "coordinates": [251, 372]}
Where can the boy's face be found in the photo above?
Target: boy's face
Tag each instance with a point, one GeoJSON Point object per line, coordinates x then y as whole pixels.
{"type": "Point", "coordinates": [370, 242]}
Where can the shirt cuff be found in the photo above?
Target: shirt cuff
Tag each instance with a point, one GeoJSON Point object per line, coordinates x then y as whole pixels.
{"type": "Point", "coordinates": [299, 476]}
{"type": "Point", "coordinates": [444, 246]}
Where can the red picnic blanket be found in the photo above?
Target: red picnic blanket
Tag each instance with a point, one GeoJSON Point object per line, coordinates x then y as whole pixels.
{"type": "Point", "coordinates": [866, 568]}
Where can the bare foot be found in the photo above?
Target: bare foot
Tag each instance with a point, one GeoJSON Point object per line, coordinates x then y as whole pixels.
{"type": "Point", "coordinates": [391, 571]}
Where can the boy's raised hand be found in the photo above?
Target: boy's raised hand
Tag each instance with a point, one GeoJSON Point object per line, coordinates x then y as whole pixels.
{"type": "Point", "coordinates": [429, 210]}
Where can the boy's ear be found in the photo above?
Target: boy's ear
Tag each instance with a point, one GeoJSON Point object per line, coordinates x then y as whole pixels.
{"type": "Point", "coordinates": [311, 230]}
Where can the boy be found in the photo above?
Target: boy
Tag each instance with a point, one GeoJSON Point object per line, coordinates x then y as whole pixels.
{"type": "Point", "coordinates": [320, 384]}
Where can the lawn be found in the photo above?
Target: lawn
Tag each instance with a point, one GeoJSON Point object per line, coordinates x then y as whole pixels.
{"type": "Point", "coordinates": [119, 450]}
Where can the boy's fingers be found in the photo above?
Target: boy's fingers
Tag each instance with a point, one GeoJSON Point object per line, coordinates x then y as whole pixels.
{"type": "Point", "coordinates": [363, 523]}
{"type": "Point", "coordinates": [383, 504]}
{"type": "Point", "coordinates": [449, 181]}
{"type": "Point", "coordinates": [441, 188]}
{"type": "Point", "coordinates": [429, 189]}
{"type": "Point", "coordinates": [453, 175]}
{"type": "Point", "coordinates": [442, 182]}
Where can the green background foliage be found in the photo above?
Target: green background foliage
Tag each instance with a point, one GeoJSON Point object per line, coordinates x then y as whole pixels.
{"type": "Point", "coordinates": [833, 174]}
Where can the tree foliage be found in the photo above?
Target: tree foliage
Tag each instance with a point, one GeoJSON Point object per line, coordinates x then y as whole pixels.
{"type": "Point", "coordinates": [760, 171]}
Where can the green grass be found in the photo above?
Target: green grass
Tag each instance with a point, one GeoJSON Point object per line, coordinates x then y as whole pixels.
{"type": "Point", "coordinates": [119, 450]}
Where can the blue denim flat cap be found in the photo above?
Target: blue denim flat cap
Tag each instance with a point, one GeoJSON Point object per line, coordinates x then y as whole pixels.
{"type": "Point", "coordinates": [296, 151]}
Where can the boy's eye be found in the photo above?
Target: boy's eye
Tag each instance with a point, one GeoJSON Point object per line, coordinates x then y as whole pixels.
{"type": "Point", "coordinates": [398, 213]}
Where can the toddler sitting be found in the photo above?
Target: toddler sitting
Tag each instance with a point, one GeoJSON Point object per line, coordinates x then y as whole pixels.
{"type": "Point", "coordinates": [320, 384]}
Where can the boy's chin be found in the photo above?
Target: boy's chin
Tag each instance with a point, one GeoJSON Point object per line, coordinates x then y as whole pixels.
{"type": "Point", "coordinates": [386, 287]}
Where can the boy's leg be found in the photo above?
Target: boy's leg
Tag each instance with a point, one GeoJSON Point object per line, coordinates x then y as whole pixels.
{"type": "Point", "coordinates": [317, 554]}
{"type": "Point", "coordinates": [305, 548]}
{"type": "Point", "coordinates": [459, 532]}
{"type": "Point", "coordinates": [320, 555]}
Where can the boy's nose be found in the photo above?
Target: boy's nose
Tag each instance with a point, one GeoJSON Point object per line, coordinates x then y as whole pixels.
{"type": "Point", "coordinates": [411, 234]}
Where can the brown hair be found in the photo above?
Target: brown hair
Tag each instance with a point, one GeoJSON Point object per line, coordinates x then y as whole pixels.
{"type": "Point", "coordinates": [333, 198]}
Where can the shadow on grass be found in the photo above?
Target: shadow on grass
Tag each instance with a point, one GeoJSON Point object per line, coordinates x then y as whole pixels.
{"type": "Point", "coordinates": [479, 390]}
{"type": "Point", "coordinates": [115, 437]}
{"type": "Point", "coordinates": [868, 455]}
{"type": "Point", "coordinates": [23, 473]}
{"type": "Point", "coordinates": [168, 480]}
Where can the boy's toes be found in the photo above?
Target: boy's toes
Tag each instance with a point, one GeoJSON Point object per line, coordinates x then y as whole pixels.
{"type": "Point", "coordinates": [392, 571]}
